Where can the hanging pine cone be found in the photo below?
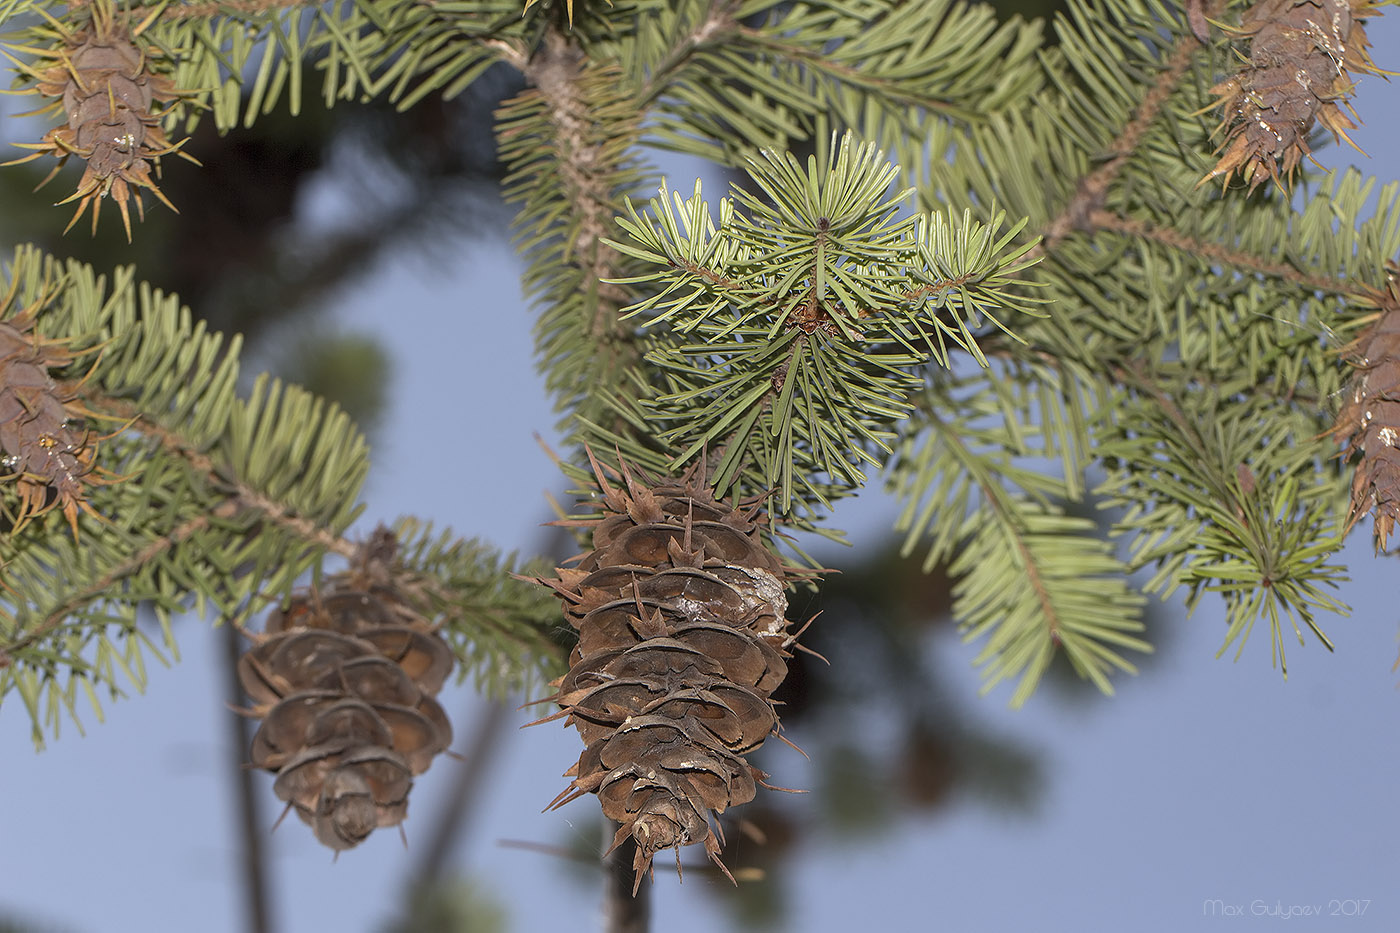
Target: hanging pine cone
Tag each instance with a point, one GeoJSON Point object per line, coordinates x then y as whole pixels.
{"type": "Point", "coordinates": [344, 680]}
{"type": "Point", "coordinates": [681, 615]}
{"type": "Point", "coordinates": [47, 449]}
{"type": "Point", "coordinates": [103, 83]}
{"type": "Point", "coordinates": [1299, 54]}
{"type": "Point", "coordinates": [1369, 422]}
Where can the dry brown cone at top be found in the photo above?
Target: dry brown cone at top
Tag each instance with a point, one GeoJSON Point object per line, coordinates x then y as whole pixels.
{"type": "Point", "coordinates": [681, 615]}
{"type": "Point", "coordinates": [1369, 422]}
{"type": "Point", "coordinates": [344, 680]}
{"type": "Point", "coordinates": [107, 91]}
{"type": "Point", "coordinates": [46, 448]}
{"type": "Point", "coordinates": [1295, 75]}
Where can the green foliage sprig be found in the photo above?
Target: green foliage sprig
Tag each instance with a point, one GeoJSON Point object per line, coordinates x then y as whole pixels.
{"type": "Point", "coordinates": [1107, 322]}
{"type": "Point", "coordinates": [796, 320]}
{"type": "Point", "coordinates": [220, 504]}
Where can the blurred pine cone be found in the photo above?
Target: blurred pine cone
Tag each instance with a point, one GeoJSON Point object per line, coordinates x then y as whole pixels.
{"type": "Point", "coordinates": [344, 680]}
{"type": "Point", "coordinates": [48, 451]}
{"type": "Point", "coordinates": [103, 83]}
{"type": "Point", "coordinates": [1369, 420]}
{"type": "Point", "coordinates": [680, 609]}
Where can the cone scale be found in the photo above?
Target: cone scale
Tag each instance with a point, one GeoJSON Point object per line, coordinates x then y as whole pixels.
{"type": "Point", "coordinates": [680, 609]}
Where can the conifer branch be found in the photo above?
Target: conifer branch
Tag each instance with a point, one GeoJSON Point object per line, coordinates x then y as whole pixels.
{"type": "Point", "coordinates": [997, 525]}
{"type": "Point", "coordinates": [210, 499]}
{"type": "Point", "coordinates": [796, 321]}
{"type": "Point", "coordinates": [1244, 522]}
{"type": "Point", "coordinates": [102, 587]}
{"type": "Point", "coordinates": [1082, 210]}
{"type": "Point", "coordinates": [1227, 256]}
{"type": "Point", "coordinates": [717, 26]}
{"type": "Point", "coordinates": [575, 128]}
{"type": "Point", "coordinates": [208, 10]}
{"type": "Point", "coordinates": [1182, 339]}
{"type": "Point", "coordinates": [556, 70]}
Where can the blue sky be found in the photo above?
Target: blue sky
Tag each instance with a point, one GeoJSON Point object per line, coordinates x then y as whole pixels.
{"type": "Point", "coordinates": [1202, 779]}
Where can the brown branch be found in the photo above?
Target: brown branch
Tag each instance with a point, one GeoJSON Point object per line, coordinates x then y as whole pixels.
{"type": "Point", "coordinates": [453, 817]}
{"type": "Point", "coordinates": [821, 61]}
{"type": "Point", "coordinates": [625, 912]}
{"type": "Point", "coordinates": [1093, 188]}
{"type": "Point", "coordinates": [588, 119]}
{"type": "Point", "coordinates": [716, 279]}
{"type": "Point", "coordinates": [719, 25]}
{"type": "Point", "coordinates": [303, 528]}
{"type": "Point", "coordinates": [240, 7]}
{"type": "Point", "coordinates": [556, 71]}
{"type": "Point", "coordinates": [1028, 561]}
{"type": "Point", "coordinates": [239, 494]}
{"type": "Point", "coordinates": [214, 8]}
{"type": "Point", "coordinates": [1224, 255]}
{"type": "Point", "coordinates": [253, 854]}
{"type": "Point", "coordinates": [993, 494]}
{"type": "Point", "coordinates": [511, 52]}
{"type": "Point", "coordinates": [100, 587]}
{"type": "Point", "coordinates": [1135, 374]}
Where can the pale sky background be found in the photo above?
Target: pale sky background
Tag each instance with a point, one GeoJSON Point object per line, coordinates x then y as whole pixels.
{"type": "Point", "coordinates": [1201, 779]}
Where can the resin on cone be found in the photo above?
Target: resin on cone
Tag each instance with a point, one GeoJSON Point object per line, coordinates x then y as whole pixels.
{"type": "Point", "coordinates": [344, 681]}
{"type": "Point", "coordinates": [1369, 422]}
{"type": "Point", "coordinates": [47, 450]}
{"type": "Point", "coordinates": [681, 613]}
{"type": "Point", "coordinates": [102, 82]}
{"type": "Point", "coordinates": [1295, 76]}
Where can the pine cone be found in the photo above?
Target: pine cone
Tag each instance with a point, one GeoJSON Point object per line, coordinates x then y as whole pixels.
{"type": "Point", "coordinates": [48, 451]}
{"type": "Point", "coordinates": [104, 85]}
{"type": "Point", "coordinates": [344, 681]}
{"type": "Point", "coordinates": [1299, 54]}
{"type": "Point", "coordinates": [680, 610]}
{"type": "Point", "coordinates": [1369, 421]}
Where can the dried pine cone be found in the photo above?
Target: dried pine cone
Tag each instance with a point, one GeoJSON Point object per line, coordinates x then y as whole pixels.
{"type": "Point", "coordinates": [344, 681]}
{"type": "Point", "coordinates": [103, 84]}
{"type": "Point", "coordinates": [1369, 421]}
{"type": "Point", "coordinates": [680, 610]}
{"type": "Point", "coordinates": [47, 451]}
{"type": "Point", "coordinates": [1299, 54]}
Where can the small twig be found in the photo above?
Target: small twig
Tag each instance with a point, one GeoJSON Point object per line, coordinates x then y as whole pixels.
{"type": "Point", "coordinates": [101, 587]}
{"type": "Point", "coordinates": [1226, 256]}
{"type": "Point", "coordinates": [303, 528]}
{"type": "Point", "coordinates": [718, 26]}
{"type": "Point", "coordinates": [1093, 188]}
{"type": "Point", "coordinates": [226, 7]}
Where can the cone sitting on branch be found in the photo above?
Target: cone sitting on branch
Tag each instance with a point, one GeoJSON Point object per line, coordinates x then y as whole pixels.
{"type": "Point", "coordinates": [102, 82]}
{"type": "Point", "coordinates": [46, 447]}
{"type": "Point", "coordinates": [1369, 421]}
{"type": "Point", "coordinates": [1296, 76]}
{"type": "Point", "coordinates": [681, 613]}
{"type": "Point", "coordinates": [344, 680]}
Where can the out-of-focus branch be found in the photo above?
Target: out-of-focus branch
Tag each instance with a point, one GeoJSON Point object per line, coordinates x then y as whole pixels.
{"type": "Point", "coordinates": [253, 860]}
{"type": "Point", "coordinates": [454, 818]}
{"type": "Point", "coordinates": [626, 913]}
